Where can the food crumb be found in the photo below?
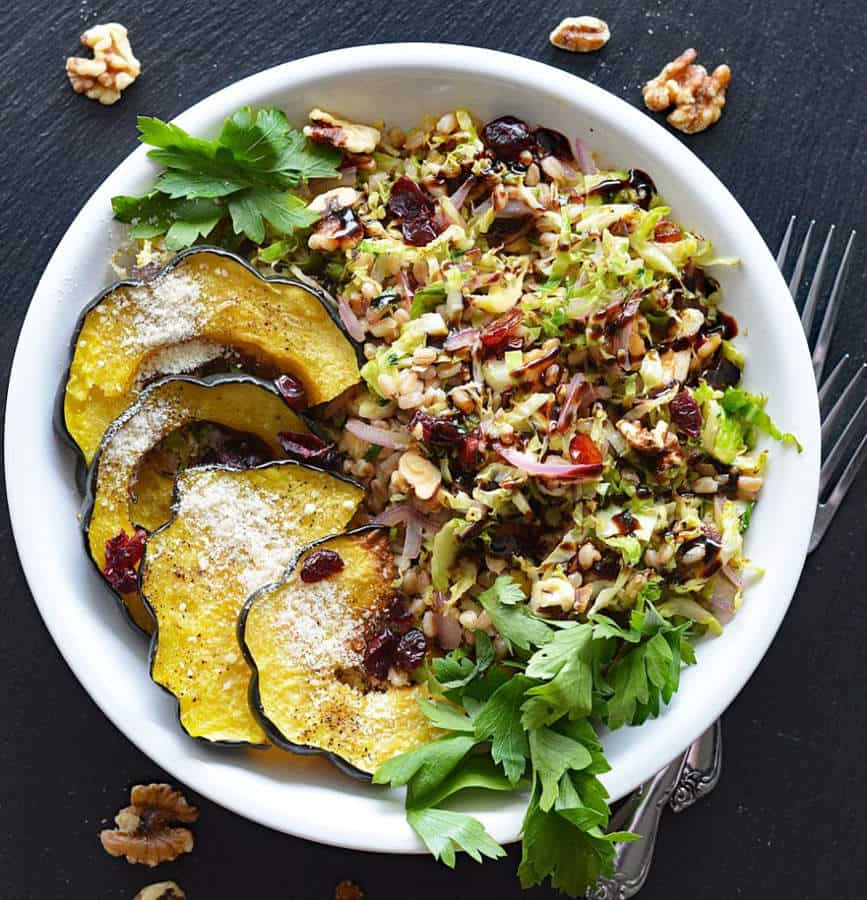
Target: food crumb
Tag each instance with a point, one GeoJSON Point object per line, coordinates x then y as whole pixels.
{"type": "Point", "coordinates": [348, 890]}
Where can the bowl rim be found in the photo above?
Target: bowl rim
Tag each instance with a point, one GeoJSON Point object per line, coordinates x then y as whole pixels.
{"type": "Point", "coordinates": [465, 61]}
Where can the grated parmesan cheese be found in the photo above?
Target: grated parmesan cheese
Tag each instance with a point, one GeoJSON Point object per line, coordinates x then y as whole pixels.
{"type": "Point", "coordinates": [180, 358]}
{"type": "Point", "coordinates": [243, 530]}
{"type": "Point", "coordinates": [167, 312]}
{"type": "Point", "coordinates": [319, 626]}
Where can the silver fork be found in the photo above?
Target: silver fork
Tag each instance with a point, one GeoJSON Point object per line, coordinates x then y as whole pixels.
{"type": "Point", "coordinates": [695, 774]}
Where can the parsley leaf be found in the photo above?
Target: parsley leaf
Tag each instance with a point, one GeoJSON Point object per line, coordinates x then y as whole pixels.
{"type": "Point", "coordinates": [430, 762]}
{"type": "Point", "coordinates": [554, 754]}
{"type": "Point", "coordinates": [243, 178]}
{"type": "Point", "coordinates": [444, 831]}
{"type": "Point", "coordinates": [566, 664]}
{"type": "Point", "coordinates": [456, 670]}
{"type": "Point", "coordinates": [442, 715]}
{"type": "Point", "coordinates": [500, 722]}
{"type": "Point", "coordinates": [504, 590]}
{"type": "Point", "coordinates": [514, 623]}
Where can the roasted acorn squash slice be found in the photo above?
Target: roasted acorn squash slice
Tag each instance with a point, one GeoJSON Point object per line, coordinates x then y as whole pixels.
{"type": "Point", "coordinates": [204, 303]}
{"type": "Point", "coordinates": [306, 642]}
{"type": "Point", "coordinates": [121, 495]}
{"type": "Point", "coordinates": [233, 531]}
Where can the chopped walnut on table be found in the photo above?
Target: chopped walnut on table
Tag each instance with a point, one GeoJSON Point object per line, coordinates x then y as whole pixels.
{"type": "Point", "coordinates": [348, 890]}
{"type": "Point", "coordinates": [581, 34]}
{"type": "Point", "coordinates": [698, 98]}
{"type": "Point", "coordinates": [112, 69]}
{"type": "Point", "coordinates": [165, 890]}
{"type": "Point", "coordinates": [148, 830]}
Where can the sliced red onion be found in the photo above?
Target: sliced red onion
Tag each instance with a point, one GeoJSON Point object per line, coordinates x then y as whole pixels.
{"type": "Point", "coordinates": [723, 595]}
{"type": "Point", "coordinates": [458, 198]}
{"type": "Point", "coordinates": [593, 393]}
{"type": "Point", "coordinates": [354, 328]}
{"type": "Point", "coordinates": [573, 394]}
{"type": "Point", "coordinates": [561, 469]}
{"type": "Point", "coordinates": [448, 631]}
{"type": "Point", "coordinates": [412, 538]}
{"type": "Point", "coordinates": [515, 209]}
{"type": "Point", "coordinates": [405, 286]}
{"type": "Point", "coordinates": [394, 440]}
{"type": "Point", "coordinates": [394, 515]}
{"type": "Point", "coordinates": [459, 340]}
{"type": "Point", "coordinates": [584, 158]}
{"type": "Point", "coordinates": [733, 576]}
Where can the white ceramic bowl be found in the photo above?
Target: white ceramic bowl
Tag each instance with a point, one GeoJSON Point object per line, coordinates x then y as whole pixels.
{"type": "Point", "coordinates": [400, 83]}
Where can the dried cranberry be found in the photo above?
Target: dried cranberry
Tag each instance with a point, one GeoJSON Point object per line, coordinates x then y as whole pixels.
{"type": "Point", "coordinates": [437, 431]}
{"type": "Point", "coordinates": [410, 651]}
{"type": "Point", "coordinates": [685, 413]}
{"type": "Point", "coordinates": [122, 555]}
{"type": "Point", "coordinates": [416, 211]}
{"type": "Point", "coordinates": [583, 450]}
{"type": "Point", "coordinates": [507, 138]}
{"type": "Point", "coordinates": [321, 564]}
{"type": "Point", "coordinates": [380, 653]}
{"type": "Point", "coordinates": [666, 232]}
{"type": "Point", "coordinates": [399, 614]}
{"type": "Point", "coordinates": [308, 448]}
{"type": "Point", "coordinates": [553, 143]}
{"type": "Point", "coordinates": [468, 455]}
{"type": "Point", "coordinates": [292, 391]}
{"type": "Point", "coordinates": [238, 452]}
{"type": "Point", "coordinates": [500, 333]}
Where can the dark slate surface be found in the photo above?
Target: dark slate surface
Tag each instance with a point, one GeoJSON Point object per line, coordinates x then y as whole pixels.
{"type": "Point", "coordinates": [785, 819]}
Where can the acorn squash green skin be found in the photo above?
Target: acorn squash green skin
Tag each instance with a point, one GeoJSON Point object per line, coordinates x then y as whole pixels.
{"type": "Point", "coordinates": [154, 636]}
{"type": "Point", "coordinates": [92, 472]}
{"type": "Point", "coordinates": [59, 418]}
{"type": "Point", "coordinates": [274, 734]}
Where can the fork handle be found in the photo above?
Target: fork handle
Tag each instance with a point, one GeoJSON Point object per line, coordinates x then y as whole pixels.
{"type": "Point", "coordinates": [701, 769]}
{"type": "Point", "coordinates": [641, 813]}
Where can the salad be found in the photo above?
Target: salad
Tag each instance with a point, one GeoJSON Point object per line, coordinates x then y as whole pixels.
{"type": "Point", "coordinates": [549, 420]}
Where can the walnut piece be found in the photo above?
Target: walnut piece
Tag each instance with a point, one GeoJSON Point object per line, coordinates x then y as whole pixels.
{"type": "Point", "coordinates": [698, 98]}
{"type": "Point", "coordinates": [581, 34]}
{"type": "Point", "coordinates": [326, 129]}
{"type": "Point", "coordinates": [112, 69]}
{"type": "Point", "coordinates": [165, 890]}
{"type": "Point", "coordinates": [659, 442]}
{"type": "Point", "coordinates": [348, 890]}
{"type": "Point", "coordinates": [147, 830]}
{"type": "Point", "coordinates": [423, 476]}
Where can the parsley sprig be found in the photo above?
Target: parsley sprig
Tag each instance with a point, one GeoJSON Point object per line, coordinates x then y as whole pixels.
{"type": "Point", "coordinates": [531, 724]}
{"type": "Point", "coordinates": [243, 178]}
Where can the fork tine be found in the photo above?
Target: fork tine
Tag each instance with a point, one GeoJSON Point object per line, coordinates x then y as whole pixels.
{"type": "Point", "coordinates": [784, 244]}
{"type": "Point", "coordinates": [795, 280]}
{"type": "Point", "coordinates": [825, 391]}
{"type": "Point", "coordinates": [831, 419]}
{"type": "Point", "coordinates": [823, 342]}
{"type": "Point", "coordinates": [812, 297]}
{"type": "Point", "coordinates": [826, 511]}
{"type": "Point", "coordinates": [836, 455]}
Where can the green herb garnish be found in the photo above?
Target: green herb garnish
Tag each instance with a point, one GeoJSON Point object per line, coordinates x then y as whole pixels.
{"type": "Point", "coordinates": [531, 723]}
{"type": "Point", "coordinates": [242, 179]}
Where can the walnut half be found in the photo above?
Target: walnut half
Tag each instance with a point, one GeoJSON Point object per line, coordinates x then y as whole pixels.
{"type": "Point", "coordinates": [698, 98]}
{"type": "Point", "coordinates": [112, 69]}
{"type": "Point", "coordinates": [165, 890]}
{"type": "Point", "coordinates": [147, 831]}
{"type": "Point", "coordinates": [581, 34]}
